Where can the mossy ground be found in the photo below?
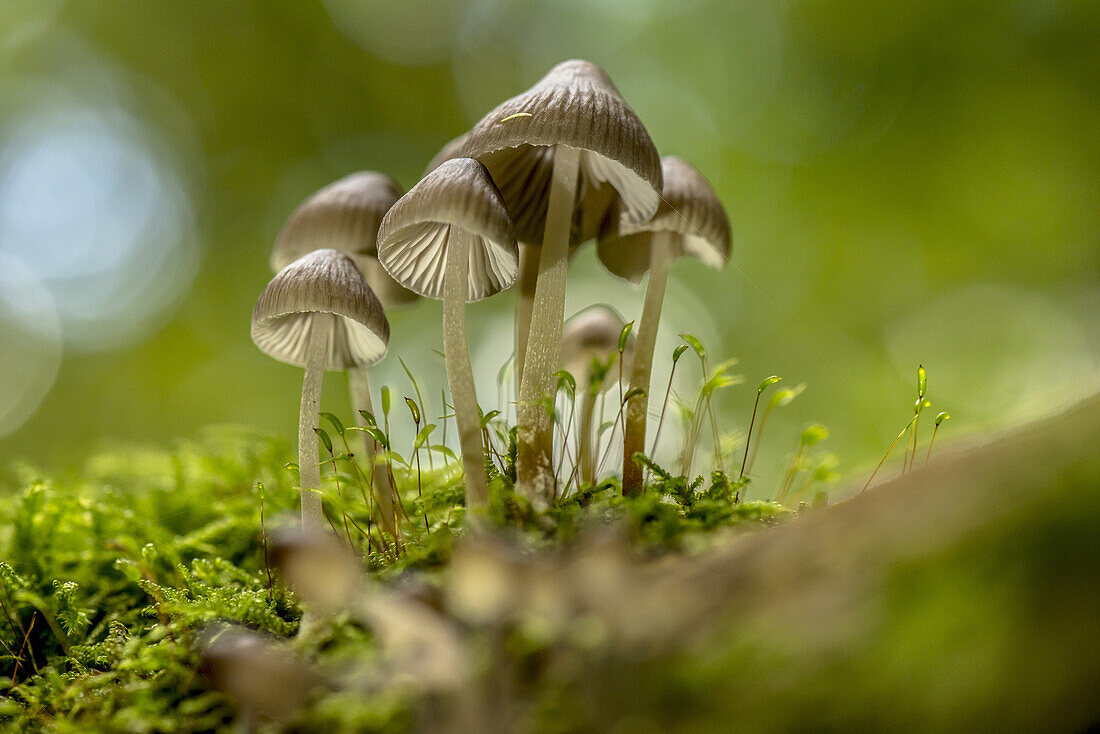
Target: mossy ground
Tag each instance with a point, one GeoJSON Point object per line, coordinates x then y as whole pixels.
{"type": "Point", "coordinates": [961, 597]}
{"type": "Point", "coordinates": [108, 578]}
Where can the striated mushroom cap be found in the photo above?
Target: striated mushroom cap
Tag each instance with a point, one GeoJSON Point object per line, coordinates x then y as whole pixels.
{"type": "Point", "coordinates": [458, 195]}
{"type": "Point", "coordinates": [576, 105]}
{"type": "Point", "coordinates": [345, 216]}
{"type": "Point", "coordinates": [690, 210]}
{"type": "Point", "coordinates": [342, 216]}
{"type": "Point", "coordinates": [324, 281]}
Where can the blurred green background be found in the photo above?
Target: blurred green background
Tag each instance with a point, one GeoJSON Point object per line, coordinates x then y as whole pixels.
{"type": "Point", "coordinates": [907, 182]}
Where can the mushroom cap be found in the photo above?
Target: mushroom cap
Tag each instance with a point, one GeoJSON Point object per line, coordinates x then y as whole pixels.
{"type": "Point", "coordinates": [342, 216]}
{"type": "Point", "coordinates": [323, 281]}
{"type": "Point", "coordinates": [689, 209]}
{"type": "Point", "coordinates": [413, 238]}
{"type": "Point", "coordinates": [453, 149]}
{"type": "Point", "coordinates": [390, 293]}
{"type": "Point", "coordinates": [576, 105]}
{"type": "Point", "coordinates": [592, 333]}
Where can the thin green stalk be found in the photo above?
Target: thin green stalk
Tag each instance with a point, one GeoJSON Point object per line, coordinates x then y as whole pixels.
{"type": "Point", "coordinates": [381, 489]}
{"type": "Point", "coordinates": [748, 437]}
{"type": "Point", "coordinates": [884, 458]}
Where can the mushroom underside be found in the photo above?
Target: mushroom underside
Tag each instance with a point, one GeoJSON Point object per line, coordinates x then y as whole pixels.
{"type": "Point", "coordinates": [349, 343]}
{"type": "Point", "coordinates": [420, 260]}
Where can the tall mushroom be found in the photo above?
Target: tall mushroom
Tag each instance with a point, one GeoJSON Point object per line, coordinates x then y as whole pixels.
{"type": "Point", "coordinates": [345, 216]}
{"type": "Point", "coordinates": [318, 313]}
{"type": "Point", "coordinates": [592, 334]}
{"type": "Point", "coordinates": [594, 199]}
{"type": "Point", "coordinates": [690, 221]}
{"type": "Point", "coordinates": [450, 238]}
{"type": "Point", "coordinates": [570, 133]}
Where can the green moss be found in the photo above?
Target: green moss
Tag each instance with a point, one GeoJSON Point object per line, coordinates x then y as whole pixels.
{"type": "Point", "coordinates": [109, 577]}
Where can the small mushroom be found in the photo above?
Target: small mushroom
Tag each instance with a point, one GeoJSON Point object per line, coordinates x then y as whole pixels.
{"type": "Point", "coordinates": [690, 221]}
{"type": "Point", "coordinates": [450, 238]}
{"type": "Point", "coordinates": [345, 216]}
{"type": "Point", "coordinates": [318, 313]}
{"type": "Point", "coordinates": [545, 149]}
{"type": "Point", "coordinates": [592, 335]}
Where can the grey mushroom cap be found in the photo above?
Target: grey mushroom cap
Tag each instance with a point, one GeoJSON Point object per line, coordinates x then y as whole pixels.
{"type": "Point", "coordinates": [689, 209]}
{"type": "Point", "coordinates": [414, 235]}
{"type": "Point", "coordinates": [324, 281]}
{"type": "Point", "coordinates": [592, 333]}
{"type": "Point", "coordinates": [342, 216]}
{"type": "Point", "coordinates": [453, 149]}
{"type": "Point", "coordinates": [575, 105]}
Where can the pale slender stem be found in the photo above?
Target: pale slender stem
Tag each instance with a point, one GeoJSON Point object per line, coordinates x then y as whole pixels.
{"type": "Point", "coordinates": [460, 374]}
{"type": "Point", "coordinates": [309, 462]}
{"type": "Point", "coordinates": [525, 298]}
{"type": "Point", "coordinates": [359, 387]}
{"type": "Point", "coordinates": [584, 445]}
{"type": "Point", "coordinates": [534, 470]}
{"type": "Point", "coordinates": [642, 364]}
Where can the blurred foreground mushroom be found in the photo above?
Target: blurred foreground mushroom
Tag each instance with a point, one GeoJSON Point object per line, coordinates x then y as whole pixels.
{"type": "Point", "coordinates": [450, 238]}
{"type": "Point", "coordinates": [318, 313]}
{"type": "Point", "coordinates": [263, 677]}
{"type": "Point", "coordinates": [690, 221]}
{"type": "Point", "coordinates": [570, 130]}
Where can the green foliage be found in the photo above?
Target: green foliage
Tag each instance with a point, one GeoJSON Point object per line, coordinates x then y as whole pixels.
{"type": "Point", "coordinates": [109, 579]}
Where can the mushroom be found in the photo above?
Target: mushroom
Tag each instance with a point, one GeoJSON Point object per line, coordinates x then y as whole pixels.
{"type": "Point", "coordinates": [450, 238]}
{"type": "Point", "coordinates": [345, 216]}
{"type": "Point", "coordinates": [262, 676]}
{"type": "Point", "coordinates": [690, 221]}
{"type": "Point", "coordinates": [591, 335]}
{"type": "Point", "coordinates": [318, 313]}
{"type": "Point", "coordinates": [570, 134]}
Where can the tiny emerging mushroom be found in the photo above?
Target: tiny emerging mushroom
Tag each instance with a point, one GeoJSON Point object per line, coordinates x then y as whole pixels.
{"type": "Point", "coordinates": [345, 216]}
{"type": "Point", "coordinates": [544, 148]}
{"type": "Point", "coordinates": [592, 335]}
{"type": "Point", "coordinates": [690, 221]}
{"type": "Point", "coordinates": [318, 313]}
{"type": "Point", "coordinates": [450, 237]}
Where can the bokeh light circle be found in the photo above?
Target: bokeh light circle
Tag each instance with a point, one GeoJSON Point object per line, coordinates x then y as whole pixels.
{"type": "Point", "coordinates": [30, 332]}
{"type": "Point", "coordinates": [88, 208]}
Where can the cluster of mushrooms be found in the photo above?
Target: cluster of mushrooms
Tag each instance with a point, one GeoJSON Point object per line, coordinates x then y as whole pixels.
{"type": "Point", "coordinates": [563, 163]}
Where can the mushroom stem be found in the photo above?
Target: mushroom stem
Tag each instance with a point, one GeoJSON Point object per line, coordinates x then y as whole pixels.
{"type": "Point", "coordinates": [584, 444]}
{"type": "Point", "coordinates": [309, 463]}
{"type": "Point", "coordinates": [460, 374]}
{"type": "Point", "coordinates": [636, 408]}
{"type": "Point", "coordinates": [359, 387]}
{"type": "Point", "coordinates": [525, 296]}
{"type": "Point", "coordinates": [534, 461]}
